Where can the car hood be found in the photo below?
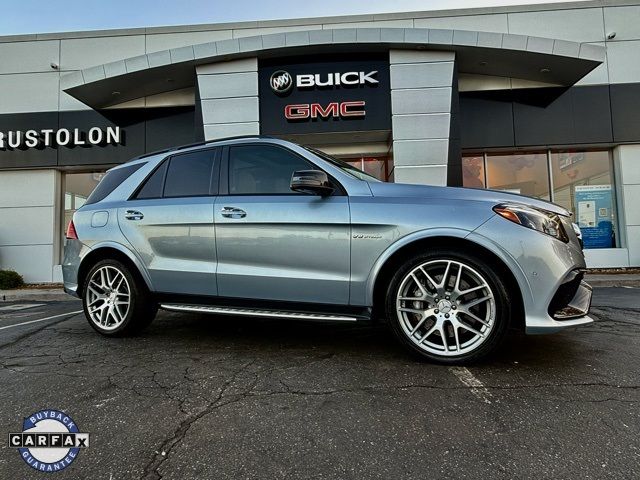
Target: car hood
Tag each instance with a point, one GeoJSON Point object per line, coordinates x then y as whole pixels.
{"type": "Point", "coordinates": [382, 189]}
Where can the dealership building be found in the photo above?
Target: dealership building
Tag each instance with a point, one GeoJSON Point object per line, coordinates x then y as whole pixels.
{"type": "Point", "coordinates": [542, 100]}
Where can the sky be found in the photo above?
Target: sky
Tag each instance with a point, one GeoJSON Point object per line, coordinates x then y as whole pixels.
{"type": "Point", "coordinates": [43, 16]}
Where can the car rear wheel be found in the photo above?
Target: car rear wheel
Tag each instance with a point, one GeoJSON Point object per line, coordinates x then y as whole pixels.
{"type": "Point", "coordinates": [115, 302]}
{"type": "Point", "coordinates": [448, 307]}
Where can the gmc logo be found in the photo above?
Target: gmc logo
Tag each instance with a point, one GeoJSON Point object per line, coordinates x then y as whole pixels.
{"type": "Point", "coordinates": [332, 110]}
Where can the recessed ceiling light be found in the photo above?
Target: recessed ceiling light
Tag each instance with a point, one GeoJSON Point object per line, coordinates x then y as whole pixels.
{"type": "Point", "coordinates": [482, 63]}
{"type": "Point", "coordinates": [545, 70]}
{"type": "Point", "coordinates": [115, 93]}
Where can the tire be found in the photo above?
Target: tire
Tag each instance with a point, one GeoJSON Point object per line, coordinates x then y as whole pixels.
{"type": "Point", "coordinates": [442, 320]}
{"type": "Point", "coordinates": [108, 285]}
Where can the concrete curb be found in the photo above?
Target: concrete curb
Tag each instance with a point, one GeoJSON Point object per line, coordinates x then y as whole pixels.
{"type": "Point", "coordinates": [614, 280]}
{"type": "Point", "coordinates": [35, 295]}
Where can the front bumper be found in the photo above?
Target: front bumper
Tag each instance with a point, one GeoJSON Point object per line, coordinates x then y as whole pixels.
{"type": "Point", "coordinates": [572, 299]}
{"type": "Point", "coordinates": [568, 308]}
{"type": "Point", "coordinates": [548, 271]}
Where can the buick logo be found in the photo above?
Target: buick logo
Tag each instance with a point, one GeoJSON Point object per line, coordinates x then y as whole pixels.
{"type": "Point", "coordinates": [281, 81]}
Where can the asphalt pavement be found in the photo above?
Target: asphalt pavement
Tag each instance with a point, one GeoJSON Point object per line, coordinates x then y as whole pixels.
{"type": "Point", "coordinates": [203, 397]}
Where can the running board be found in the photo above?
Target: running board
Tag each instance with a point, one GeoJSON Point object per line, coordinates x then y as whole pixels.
{"type": "Point", "coordinates": [247, 312]}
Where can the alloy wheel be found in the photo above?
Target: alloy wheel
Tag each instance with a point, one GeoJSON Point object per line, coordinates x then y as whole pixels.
{"type": "Point", "coordinates": [108, 297]}
{"type": "Point", "coordinates": [446, 307]}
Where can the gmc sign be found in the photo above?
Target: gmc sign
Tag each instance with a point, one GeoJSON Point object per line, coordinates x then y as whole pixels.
{"type": "Point", "coordinates": [333, 109]}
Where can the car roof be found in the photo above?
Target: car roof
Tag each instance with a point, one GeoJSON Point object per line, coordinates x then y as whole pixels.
{"type": "Point", "coordinates": [193, 146]}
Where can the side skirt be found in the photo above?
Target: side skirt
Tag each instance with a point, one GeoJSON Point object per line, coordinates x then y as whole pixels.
{"type": "Point", "coordinates": [264, 309]}
{"type": "Point", "coordinates": [258, 313]}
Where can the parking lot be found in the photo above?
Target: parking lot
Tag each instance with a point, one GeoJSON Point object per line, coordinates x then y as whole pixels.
{"type": "Point", "coordinates": [210, 397]}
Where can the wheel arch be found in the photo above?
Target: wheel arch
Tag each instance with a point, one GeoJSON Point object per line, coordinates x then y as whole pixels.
{"type": "Point", "coordinates": [111, 250]}
{"type": "Point", "coordinates": [397, 253]}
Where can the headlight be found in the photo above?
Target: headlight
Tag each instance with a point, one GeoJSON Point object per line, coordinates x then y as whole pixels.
{"type": "Point", "coordinates": [534, 218]}
{"type": "Point", "coordinates": [578, 232]}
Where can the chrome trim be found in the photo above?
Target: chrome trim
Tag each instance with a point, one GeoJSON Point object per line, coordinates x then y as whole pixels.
{"type": "Point", "coordinates": [247, 312]}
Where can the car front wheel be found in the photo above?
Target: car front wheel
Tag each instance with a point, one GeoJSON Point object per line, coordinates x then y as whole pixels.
{"type": "Point", "coordinates": [448, 306]}
{"type": "Point", "coordinates": [115, 302]}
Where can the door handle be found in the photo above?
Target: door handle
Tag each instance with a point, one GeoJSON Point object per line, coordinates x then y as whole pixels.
{"type": "Point", "coordinates": [233, 212]}
{"type": "Point", "coordinates": [133, 215]}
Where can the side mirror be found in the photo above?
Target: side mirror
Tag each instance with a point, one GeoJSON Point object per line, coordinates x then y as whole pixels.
{"type": "Point", "coordinates": [315, 182]}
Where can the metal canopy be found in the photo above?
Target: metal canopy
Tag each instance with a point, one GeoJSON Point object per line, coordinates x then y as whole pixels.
{"type": "Point", "coordinates": [532, 58]}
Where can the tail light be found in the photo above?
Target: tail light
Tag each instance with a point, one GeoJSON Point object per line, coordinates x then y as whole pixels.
{"type": "Point", "coordinates": [71, 231]}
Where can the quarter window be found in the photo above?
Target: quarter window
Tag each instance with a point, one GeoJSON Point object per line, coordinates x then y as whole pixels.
{"type": "Point", "coordinates": [152, 188]}
{"type": "Point", "coordinates": [111, 181]}
{"type": "Point", "coordinates": [263, 170]}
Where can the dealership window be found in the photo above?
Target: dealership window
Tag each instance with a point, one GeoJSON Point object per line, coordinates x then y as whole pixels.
{"type": "Point", "coordinates": [581, 181]}
{"type": "Point", "coordinates": [378, 167]}
{"type": "Point", "coordinates": [525, 173]}
{"type": "Point", "coordinates": [473, 171]}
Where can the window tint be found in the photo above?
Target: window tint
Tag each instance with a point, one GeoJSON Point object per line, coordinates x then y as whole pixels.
{"type": "Point", "coordinates": [152, 188]}
{"type": "Point", "coordinates": [111, 181]}
{"type": "Point", "coordinates": [261, 169]}
{"type": "Point", "coordinates": [189, 174]}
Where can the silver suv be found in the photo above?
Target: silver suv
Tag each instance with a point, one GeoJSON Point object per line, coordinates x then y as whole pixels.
{"type": "Point", "coordinates": [262, 227]}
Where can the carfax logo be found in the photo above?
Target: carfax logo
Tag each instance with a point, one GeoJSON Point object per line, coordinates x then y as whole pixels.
{"type": "Point", "coordinates": [50, 440]}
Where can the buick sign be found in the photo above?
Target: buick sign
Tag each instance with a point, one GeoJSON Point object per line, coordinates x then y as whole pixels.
{"type": "Point", "coordinates": [281, 81]}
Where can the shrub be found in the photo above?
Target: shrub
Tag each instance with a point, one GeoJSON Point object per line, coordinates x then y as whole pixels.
{"type": "Point", "coordinates": [10, 279]}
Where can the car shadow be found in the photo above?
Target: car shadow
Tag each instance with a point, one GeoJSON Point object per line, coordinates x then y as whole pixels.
{"type": "Point", "coordinates": [353, 339]}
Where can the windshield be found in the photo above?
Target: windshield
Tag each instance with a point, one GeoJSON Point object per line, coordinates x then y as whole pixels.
{"type": "Point", "coordinates": [344, 166]}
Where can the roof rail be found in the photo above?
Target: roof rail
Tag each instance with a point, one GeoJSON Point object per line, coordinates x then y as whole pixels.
{"type": "Point", "coordinates": [196, 144]}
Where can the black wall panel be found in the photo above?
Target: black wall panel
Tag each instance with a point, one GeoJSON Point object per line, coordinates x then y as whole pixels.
{"type": "Point", "coordinates": [625, 110]}
{"type": "Point", "coordinates": [549, 116]}
{"type": "Point", "coordinates": [592, 114]}
{"type": "Point", "coordinates": [32, 157]}
{"type": "Point", "coordinates": [131, 123]}
{"type": "Point", "coordinates": [168, 127]}
{"type": "Point", "coordinates": [486, 119]}
{"type": "Point", "coordinates": [142, 131]}
{"type": "Point", "coordinates": [576, 115]}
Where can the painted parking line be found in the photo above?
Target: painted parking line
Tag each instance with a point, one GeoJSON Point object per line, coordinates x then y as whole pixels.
{"type": "Point", "coordinates": [477, 388]}
{"type": "Point", "coordinates": [41, 319]}
{"type": "Point", "coordinates": [20, 306]}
